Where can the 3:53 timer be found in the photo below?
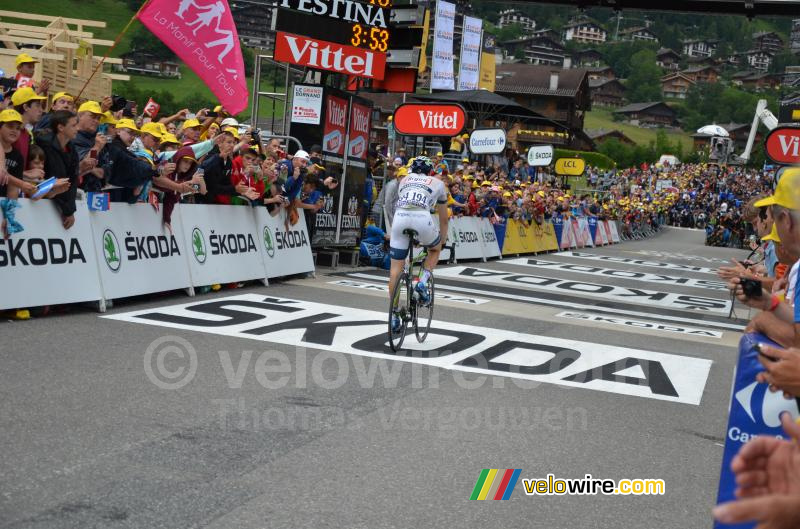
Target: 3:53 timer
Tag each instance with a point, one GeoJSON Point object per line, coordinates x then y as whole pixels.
{"type": "Point", "coordinates": [376, 39]}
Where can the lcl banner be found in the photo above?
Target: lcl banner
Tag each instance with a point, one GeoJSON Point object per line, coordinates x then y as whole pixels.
{"type": "Point", "coordinates": [442, 67]}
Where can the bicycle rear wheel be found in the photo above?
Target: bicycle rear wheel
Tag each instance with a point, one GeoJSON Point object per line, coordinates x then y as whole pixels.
{"type": "Point", "coordinates": [401, 304]}
{"type": "Point", "coordinates": [423, 314]}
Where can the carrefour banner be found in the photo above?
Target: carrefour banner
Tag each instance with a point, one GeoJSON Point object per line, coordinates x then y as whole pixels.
{"type": "Point", "coordinates": [222, 243]}
{"type": "Point", "coordinates": [45, 264]}
{"type": "Point", "coordinates": [558, 226]}
{"type": "Point", "coordinates": [754, 411]}
{"type": "Point", "coordinates": [442, 75]}
{"type": "Point", "coordinates": [592, 221]}
{"type": "Point", "coordinates": [469, 62]}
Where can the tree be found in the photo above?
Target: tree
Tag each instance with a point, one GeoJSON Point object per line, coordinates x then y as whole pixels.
{"type": "Point", "coordinates": [781, 61]}
{"type": "Point", "coordinates": [145, 42]}
{"type": "Point", "coordinates": [644, 81]}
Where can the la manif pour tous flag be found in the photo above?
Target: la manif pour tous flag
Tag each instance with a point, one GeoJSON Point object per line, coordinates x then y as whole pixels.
{"type": "Point", "coordinates": [203, 35]}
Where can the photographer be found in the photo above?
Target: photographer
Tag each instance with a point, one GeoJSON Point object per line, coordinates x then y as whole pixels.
{"type": "Point", "coordinates": [780, 319]}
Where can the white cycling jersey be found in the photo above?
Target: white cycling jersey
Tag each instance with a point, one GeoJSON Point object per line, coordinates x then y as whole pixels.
{"type": "Point", "coordinates": [419, 191]}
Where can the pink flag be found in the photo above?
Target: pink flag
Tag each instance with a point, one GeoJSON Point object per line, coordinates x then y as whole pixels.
{"type": "Point", "coordinates": [202, 34]}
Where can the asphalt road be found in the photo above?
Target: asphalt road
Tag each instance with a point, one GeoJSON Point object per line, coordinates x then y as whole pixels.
{"type": "Point", "coordinates": [286, 422]}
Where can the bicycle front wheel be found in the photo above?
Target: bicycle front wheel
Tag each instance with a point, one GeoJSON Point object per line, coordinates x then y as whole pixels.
{"type": "Point", "coordinates": [423, 314]}
{"type": "Point", "coordinates": [400, 304]}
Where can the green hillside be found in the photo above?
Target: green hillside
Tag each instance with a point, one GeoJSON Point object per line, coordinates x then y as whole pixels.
{"type": "Point", "coordinates": [602, 119]}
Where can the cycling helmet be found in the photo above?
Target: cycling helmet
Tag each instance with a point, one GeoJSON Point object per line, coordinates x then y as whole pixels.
{"type": "Point", "coordinates": [421, 165]}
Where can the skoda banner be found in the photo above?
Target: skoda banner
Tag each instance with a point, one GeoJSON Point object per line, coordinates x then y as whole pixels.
{"type": "Point", "coordinates": [753, 411]}
{"type": "Point", "coordinates": [46, 264]}
{"type": "Point", "coordinates": [221, 243]}
{"type": "Point", "coordinates": [540, 155]}
{"type": "Point", "coordinates": [285, 252]}
{"type": "Point", "coordinates": [136, 253]}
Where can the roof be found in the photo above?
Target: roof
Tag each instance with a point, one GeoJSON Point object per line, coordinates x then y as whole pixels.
{"type": "Point", "coordinates": [730, 127]}
{"type": "Point", "coordinates": [599, 69]}
{"type": "Point", "coordinates": [753, 52]}
{"type": "Point", "coordinates": [587, 52]}
{"type": "Point", "coordinates": [760, 34]}
{"type": "Point", "coordinates": [597, 83]}
{"type": "Point", "coordinates": [692, 41]}
{"type": "Point", "coordinates": [484, 105]}
{"type": "Point", "coordinates": [535, 79]}
{"type": "Point", "coordinates": [638, 107]}
{"type": "Point", "coordinates": [673, 75]}
{"type": "Point", "coordinates": [635, 29]}
{"type": "Point", "coordinates": [600, 133]}
{"type": "Point", "coordinates": [531, 39]}
{"type": "Point", "coordinates": [665, 51]}
{"type": "Point", "coordinates": [697, 69]}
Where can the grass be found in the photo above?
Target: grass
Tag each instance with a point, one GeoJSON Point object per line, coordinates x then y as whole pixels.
{"type": "Point", "coordinates": [602, 119]}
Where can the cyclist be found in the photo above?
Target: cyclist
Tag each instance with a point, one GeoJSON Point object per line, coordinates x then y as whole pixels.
{"type": "Point", "coordinates": [418, 193]}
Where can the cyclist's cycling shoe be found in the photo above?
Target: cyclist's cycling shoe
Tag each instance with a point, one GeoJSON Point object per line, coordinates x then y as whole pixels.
{"type": "Point", "coordinates": [422, 293]}
{"type": "Point", "coordinates": [397, 322]}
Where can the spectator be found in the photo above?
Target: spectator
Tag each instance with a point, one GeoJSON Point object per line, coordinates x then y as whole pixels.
{"type": "Point", "coordinates": [219, 169]}
{"type": "Point", "coordinates": [26, 68]}
{"type": "Point", "coordinates": [61, 160]}
{"type": "Point", "coordinates": [248, 179]}
{"type": "Point", "coordinates": [122, 167]}
{"type": "Point", "coordinates": [88, 141]}
{"type": "Point", "coordinates": [61, 101]}
{"type": "Point", "coordinates": [29, 105]}
{"type": "Point", "coordinates": [11, 177]}
{"type": "Point", "coordinates": [191, 131]}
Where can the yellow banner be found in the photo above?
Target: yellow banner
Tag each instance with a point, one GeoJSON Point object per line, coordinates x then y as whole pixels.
{"type": "Point", "coordinates": [521, 238]}
{"type": "Point", "coordinates": [570, 166]}
{"type": "Point", "coordinates": [426, 28]}
{"type": "Point", "coordinates": [487, 71]}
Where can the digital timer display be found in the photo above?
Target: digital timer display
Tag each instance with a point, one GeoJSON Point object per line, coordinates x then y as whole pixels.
{"type": "Point", "coordinates": [376, 39]}
{"type": "Point", "coordinates": [338, 31]}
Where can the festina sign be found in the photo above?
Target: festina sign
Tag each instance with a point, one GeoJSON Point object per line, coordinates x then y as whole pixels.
{"type": "Point", "coordinates": [783, 145]}
{"type": "Point", "coordinates": [430, 119]}
{"type": "Point", "coordinates": [487, 141]}
{"type": "Point", "coordinates": [369, 14]}
{"type": "Point", "coordinates": [323, 55]}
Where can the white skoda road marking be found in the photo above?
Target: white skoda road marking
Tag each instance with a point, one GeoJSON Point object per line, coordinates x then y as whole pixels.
{"type": "Point", "coordinates": [454, 346]}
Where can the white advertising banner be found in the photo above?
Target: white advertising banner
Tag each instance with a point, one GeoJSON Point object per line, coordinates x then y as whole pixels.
{"type": "Point", "coordinates": [614, 231]}
{"type": "Point", "coordinates": [540, 155]}
{"type": "Point", "coordinates": [465, 236]}
{"type": "Point", "coordinates": [285, 252]}
{"type": "Point", "coordinates": [491, 247]}
{"type": "Point", "coordinates": [307, 104]}
{"type": "Point", "coordinates": [45, 264]}
{"type": "Point", "coordinates": [221, 242]}
{"type": "Point", "coordinates": [470, 59]}
{"type": "Point", "coordinates": [136, 254]}
{"type": "Point", "coordinates": [442, 75]}
{"type": "Point", "coordinates": [487, 141]}
{"type": "Point", "coordinates": [584, 233]}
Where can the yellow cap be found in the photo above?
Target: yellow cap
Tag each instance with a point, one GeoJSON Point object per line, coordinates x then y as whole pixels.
{"type": "Point", "coordinates": [232, 131]}
{"type": "Point", "coordinates": [218, 108]}
{"type": "Point", "coordinates": [62, 95]}
{"type": "Point", "coordinates": [169, 138]}
{"type": "Point", "coordinates": [465, 160]}
{"type": "Point", "coordinates": [403, 171]}
{"type": "Point", "coordinates": [465, 136]}
{"type": "Point", "coordinates": [518, 193]}
{"type": "Point", "coordinates": [108, 118]}
{"type": "Point", "coordinates": [439, 154]}
{"type": "Point", "coordinates": [507, 194]}
{"type": "Point", "coordinates": [10, 115]}
{"type": "Point", "coordinates": [191, 123]}
{"type": "Point", "coordinates": [773, 235]}
{"type": "Point", "coordinates": [22, 58]}
{"type": "Point", "coordinates": [786, 194]}
{"type": "Point", "coordinates": [127, 123]}
{"type": "Point", "coordinates": [475, 185]}
{"type": "Point", "coordinates": [540, 193]}
{"type": "Point", "coordinates": [486, 183]}
{"type": "Point", "coordinates": [24, 95]}
{"type": "Point", "coordinates": [152, 129]}
{"type": "Point", "coordinates": [91, 106]}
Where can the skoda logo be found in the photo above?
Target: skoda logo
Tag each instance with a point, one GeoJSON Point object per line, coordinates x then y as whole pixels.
{"type": "Point", "coordinates": [111, 250]}
{"type": "Point", "coordinates": [268, 244]}
{"type": "Point", "coordinates": [199, 245]}
{"type": "Point", "coordinates": [454, 235]}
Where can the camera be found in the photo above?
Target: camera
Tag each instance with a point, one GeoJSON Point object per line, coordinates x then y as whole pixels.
{"type": "Point", "coordinates": [751, 287]}
{"type": "Point", "coordinates": [255, 134]}
{"type": "Point", "coordinates": [118, 103]}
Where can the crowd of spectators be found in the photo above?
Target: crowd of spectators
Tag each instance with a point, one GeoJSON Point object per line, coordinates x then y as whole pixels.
{"type": "Point", "coordinates": [768, 469]}
{"type": "Point", "coordinates": [60, 148]}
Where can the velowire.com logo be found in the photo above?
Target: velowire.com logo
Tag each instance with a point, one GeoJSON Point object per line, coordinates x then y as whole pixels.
{"type": "Point", "coordinates": [495, 484]}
